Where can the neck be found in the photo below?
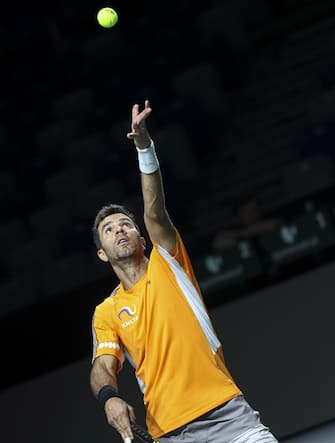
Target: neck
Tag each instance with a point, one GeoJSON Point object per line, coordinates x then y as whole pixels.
{"type": "Point", "coordinates": [130, 271]}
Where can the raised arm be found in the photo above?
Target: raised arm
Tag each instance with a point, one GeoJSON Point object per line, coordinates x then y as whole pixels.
{"type": "Point", "coordinates": [157, 221]}
{"type": "Point", "coordinates": [103, 381]}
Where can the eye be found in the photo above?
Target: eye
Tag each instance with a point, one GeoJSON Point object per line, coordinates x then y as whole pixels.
{"type": "Point", "coordinates": [108, 230]}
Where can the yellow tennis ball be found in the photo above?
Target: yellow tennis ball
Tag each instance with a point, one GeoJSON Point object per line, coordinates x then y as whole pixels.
{"type": "Point", "coordinates": [107, 17]}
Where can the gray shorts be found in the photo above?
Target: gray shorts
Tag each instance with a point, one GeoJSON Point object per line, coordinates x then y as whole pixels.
{"type": "Point", "coordinates": [234, 422]}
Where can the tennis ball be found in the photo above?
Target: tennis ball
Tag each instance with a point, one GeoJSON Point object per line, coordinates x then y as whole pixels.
{"type": "Point", "coordinates": [107, 17]}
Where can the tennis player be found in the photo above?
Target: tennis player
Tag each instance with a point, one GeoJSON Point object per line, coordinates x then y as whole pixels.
{"type": "Point", "coordinates": [156, 318]}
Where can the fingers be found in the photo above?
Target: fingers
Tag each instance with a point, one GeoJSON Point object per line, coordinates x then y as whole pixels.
{"type": "Point", "coordinates": [122, 425]}
{"type": "Point", "coordinates": [138, 131]}
{"type": "Point", "coordinates": [125, 438]}
{"type": "Point", "coordinates": [118, 416]}
{"type": "Point", "coordinates": [131, 414]}
{"type": "Point", "coordinates": [139, 118]}
{"type": "Point", "coordinates": [134, 112]}
{"type": "Point", "coordinates": [138, 126]}
{"type": "Point", "coordinates": [143, 115]}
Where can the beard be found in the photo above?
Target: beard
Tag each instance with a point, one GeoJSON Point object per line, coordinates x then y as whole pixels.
{"type": "Point", "coordinates": [120, 252]}
{"type": "Point", "coordinates": [125, 251]}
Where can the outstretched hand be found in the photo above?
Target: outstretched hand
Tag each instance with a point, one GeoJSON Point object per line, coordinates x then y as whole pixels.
{"type": "Point", "coordinates": [139, 132]}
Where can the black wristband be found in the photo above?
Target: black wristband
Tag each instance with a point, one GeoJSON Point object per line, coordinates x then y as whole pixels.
{"type": "Point", "coordinates": [105, 393]}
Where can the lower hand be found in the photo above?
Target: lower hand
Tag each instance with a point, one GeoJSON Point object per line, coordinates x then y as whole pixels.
{"type": "Point", "coordinates": [120, 415]}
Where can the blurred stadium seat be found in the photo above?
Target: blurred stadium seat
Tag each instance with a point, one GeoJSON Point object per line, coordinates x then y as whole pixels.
{"type": "Point", "coordinates": [86, 151]}
{"type": "Point", "coordinates": [223, 21]}
{"type": "Point", "coordinates": [8, 185]}
{"type": "Point", "coordinates": [53, 137]}
{"type": "Point", "coordinates": [12, 235]}
{"type": "Point", "coordinates": [74, 104]}
{"type": "Point", "coordinates": [91, 200]}
{"type": "Point", "coordinates": [68, 184]}
{"type": "Point", "coordinates": [308, 176]}
{"type": "Point", "coordinates": [305, 236]}
{"type": "Point", "coordinates": [53, 221]}
{"type": "Point", "coordinates": [67, 273]}
{"type": "Point", "coordinates": [17, 293]}
{"type": "Point", "coordinates": [202, 82]}
{"type": "Point", "coordinates": [234, 267]}
{"type": "Point", "coordinates": [173, 141]}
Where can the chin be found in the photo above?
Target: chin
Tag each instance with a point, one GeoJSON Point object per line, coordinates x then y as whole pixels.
{"type": "Point", "coordinates": [126, 253]}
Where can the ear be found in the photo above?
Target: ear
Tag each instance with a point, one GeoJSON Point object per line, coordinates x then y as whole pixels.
{"type": "Point", "coordinates": [101, 254]}
{"type": "Point", "coordinates": [143, 242]}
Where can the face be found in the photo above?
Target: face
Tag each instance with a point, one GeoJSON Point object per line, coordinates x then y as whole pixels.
{"type": "Point", "coordinates": [119, 238]}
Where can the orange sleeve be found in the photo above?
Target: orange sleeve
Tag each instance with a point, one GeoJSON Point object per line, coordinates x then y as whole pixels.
{"type": "Point", "coordinates": [105, 339]}
{"type": "Point", "coordinates": [179, 253]}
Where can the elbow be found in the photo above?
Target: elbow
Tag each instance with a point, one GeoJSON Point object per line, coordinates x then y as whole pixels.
{"type": "Point", "coordinates": [103, 372]}
{"type": "Point", "coordinates": [94, 377]}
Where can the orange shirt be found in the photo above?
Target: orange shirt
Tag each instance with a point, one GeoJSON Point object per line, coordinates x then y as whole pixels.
{"type": "Point", "coordinates": [162, 326]}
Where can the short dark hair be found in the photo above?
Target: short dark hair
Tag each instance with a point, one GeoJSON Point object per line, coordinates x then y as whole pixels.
{"type": "Point", "coordinates": [104, 212]}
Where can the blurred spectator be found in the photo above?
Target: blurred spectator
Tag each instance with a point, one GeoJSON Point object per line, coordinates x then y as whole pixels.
{"type": "Point", "coordinates": [248, 221]}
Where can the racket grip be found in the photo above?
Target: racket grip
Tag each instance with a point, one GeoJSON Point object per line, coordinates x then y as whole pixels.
{"type": "Point", "coordinates": [142, 434]}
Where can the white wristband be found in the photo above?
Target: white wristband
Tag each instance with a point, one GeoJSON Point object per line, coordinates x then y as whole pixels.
{"type": "Point", "coordinates": [147, 159]}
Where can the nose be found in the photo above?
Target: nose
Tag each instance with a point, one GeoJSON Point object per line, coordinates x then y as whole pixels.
{"type": "Point", "coordinates": [119, 229]}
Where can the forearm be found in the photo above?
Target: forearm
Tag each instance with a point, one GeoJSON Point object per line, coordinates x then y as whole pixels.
{"type": "Point", "coordinates": [104, 386]}
{"type": "Point", "coordinates": [156, 218]}
{"type": "Point", "coordinates": [153, 196]}
{"type": "Point", "coordinates": [101, 376]}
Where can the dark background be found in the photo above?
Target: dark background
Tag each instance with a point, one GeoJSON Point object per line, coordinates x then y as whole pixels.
{"type": "Point", "coordinates": [243, 108]}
